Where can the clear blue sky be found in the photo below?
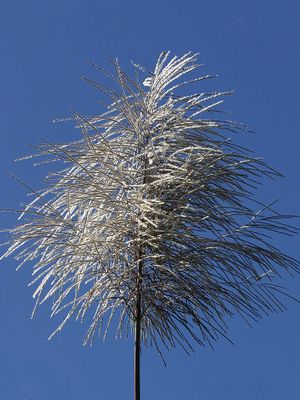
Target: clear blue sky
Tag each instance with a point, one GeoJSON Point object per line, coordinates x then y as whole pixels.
{"type": "Point", "coordinates": [254, 47]}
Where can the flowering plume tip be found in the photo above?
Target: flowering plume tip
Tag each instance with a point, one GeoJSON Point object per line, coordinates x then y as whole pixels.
{"type": "Point", "coordinates": [150, 220]}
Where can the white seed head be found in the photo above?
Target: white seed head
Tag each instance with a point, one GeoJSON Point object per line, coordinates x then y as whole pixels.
{"type": "Point", "coordinates": [154, 182]}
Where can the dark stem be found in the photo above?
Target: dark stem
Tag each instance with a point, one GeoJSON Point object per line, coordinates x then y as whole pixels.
{"type": "Point", "coordinates": [138, 311]}
{"type": "Point", "coordinates": [137, 341]}
{"type": "Point", "coordinates": [137, 351]}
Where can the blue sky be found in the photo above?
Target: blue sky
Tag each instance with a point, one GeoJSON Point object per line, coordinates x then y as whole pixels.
{"type": "Point", "coordinates": [254, 48]}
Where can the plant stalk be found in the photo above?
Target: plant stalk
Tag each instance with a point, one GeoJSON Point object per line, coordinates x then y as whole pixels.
{"type": "Point", "coordinates": [137, 348]}
{"type": "Point", "coordinates": [137, 339]}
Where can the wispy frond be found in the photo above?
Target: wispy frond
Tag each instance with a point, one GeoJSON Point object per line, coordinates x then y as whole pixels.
{"type": "Point", "coordinates": [155, 203]}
